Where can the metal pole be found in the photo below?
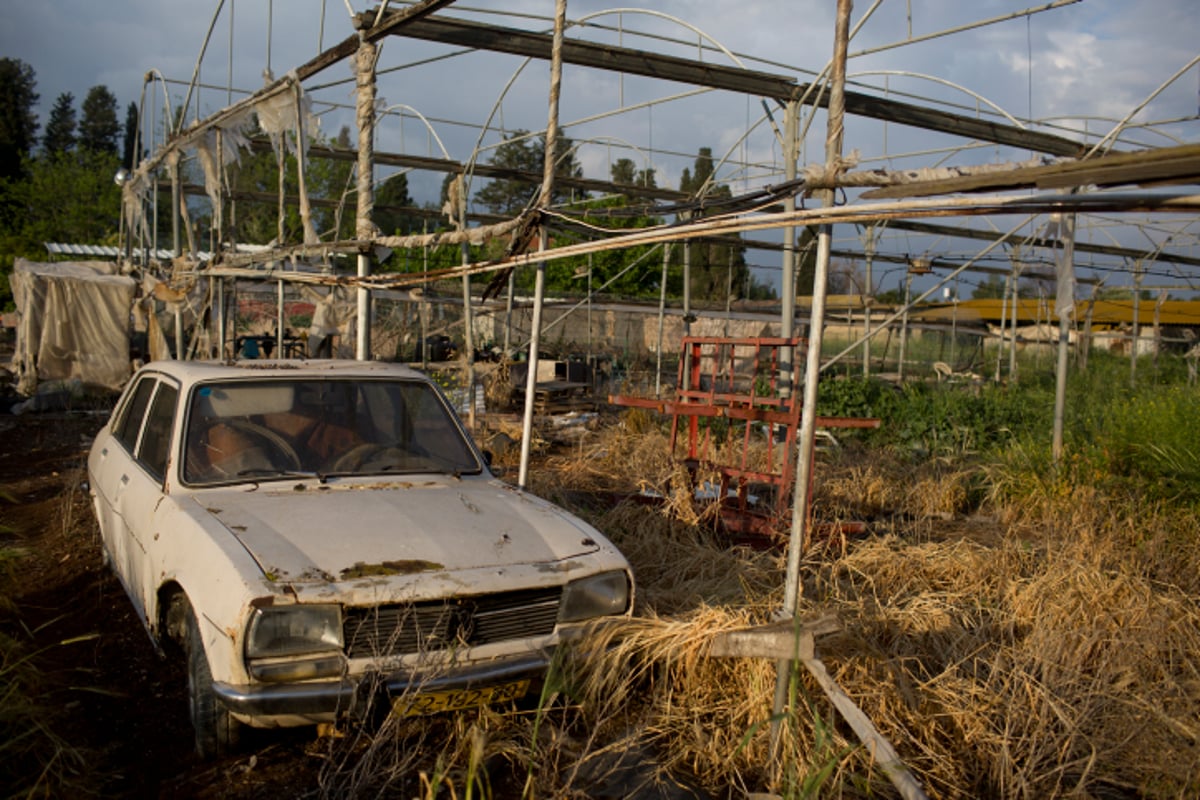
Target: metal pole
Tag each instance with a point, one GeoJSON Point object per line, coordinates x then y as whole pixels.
{"type": "Point", "coordinates": [468, 320]}
{"type": "Point", "coordinates": [662, 310]}
{"type": "Point", "coordinates": [279, 322]}
{"type": "Point", "coordinates": [802, 493]}
{"type": "Point", "coordinates": [787, 287]}
{"type": "Point", "coordinates": [729, 292]}
{"type": "Point", "coordinates": [539, 286]}
{"type": "Point", "coordinates": [220, 315]}
{"type": "Point", "coordinates": [1066, 310]}
{"type": "Point", "coordinates": [364, 69]}
{"type": "Point", "coordinates": [508, 313]}
{"type": "Point", "coordinates": [176, 247]}
{"type": "Point", "coordinates": [589, 310]}
{"type": "Point", "coordinates": [1158, 304]}
{"type": "Point", "coordinates": [687, 288]}
{"type": "Point", "coordinates": [904, 324]}
{"type": "Point", "coordinates": [1012, 347]}
{"type": "Point", "coordinates": [1136, 333]}
{"type": "Point", "coordinates": [423, 309]}
{"type": "Point", "coordinates": [868, 296]}
{"type": "Point", "coordinates": [954, 326]}
{"type": "Point", "coordinates": [1085, 345]}
{"type": "Point", "coordinates": [1003, 321]}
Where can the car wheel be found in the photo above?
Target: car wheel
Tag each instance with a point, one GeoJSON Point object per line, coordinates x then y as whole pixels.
{"type": "Point", "coordinates": [217, 732]}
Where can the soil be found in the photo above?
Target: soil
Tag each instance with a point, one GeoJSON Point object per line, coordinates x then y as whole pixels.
{"type": "Point", "coordinates": [111, 711]}
{"type": "Point", "coordinates": [118, 705]}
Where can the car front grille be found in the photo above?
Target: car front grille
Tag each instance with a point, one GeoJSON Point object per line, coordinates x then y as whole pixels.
{"type": "Point", "coordinates": [398, 629]}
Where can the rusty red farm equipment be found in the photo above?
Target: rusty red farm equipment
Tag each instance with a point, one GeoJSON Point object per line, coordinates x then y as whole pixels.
{"type": "Point", "coordinates": [735, 427]}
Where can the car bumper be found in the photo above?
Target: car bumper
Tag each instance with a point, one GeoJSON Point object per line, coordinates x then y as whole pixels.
{"type": "Point", "coordinates": [328, 700]}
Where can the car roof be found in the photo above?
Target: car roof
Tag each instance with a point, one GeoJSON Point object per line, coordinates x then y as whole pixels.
{"type": "Point", "coordinates": [189, 372]}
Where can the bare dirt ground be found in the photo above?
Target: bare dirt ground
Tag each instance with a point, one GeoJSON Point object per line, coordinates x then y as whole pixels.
{"type": "Point", "coordinates": [107, 693]}
{"type": "Point", "coordinates": [115, 708]}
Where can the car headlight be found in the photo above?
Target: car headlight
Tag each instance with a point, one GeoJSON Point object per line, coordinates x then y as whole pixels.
{"type": "Point", "coordinates": [294, 630]}
{"type": "Point", "coordinates": [595, 596]}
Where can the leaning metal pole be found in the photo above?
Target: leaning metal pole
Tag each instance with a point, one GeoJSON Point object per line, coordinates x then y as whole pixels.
{"type": "Point", "coordinates": [812, 373]}
{"type": "Point", "coordinates": [560, 18]}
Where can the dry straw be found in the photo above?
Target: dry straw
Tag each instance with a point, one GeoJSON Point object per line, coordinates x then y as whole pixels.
{"type": "Point", "coordinates": [1040, 654]}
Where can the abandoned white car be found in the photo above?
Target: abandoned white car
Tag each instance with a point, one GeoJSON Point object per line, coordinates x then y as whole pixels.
{"type": "Point", "coordinates": [317, 536]}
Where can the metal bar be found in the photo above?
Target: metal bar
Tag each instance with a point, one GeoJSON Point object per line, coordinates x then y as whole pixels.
{"type": "Point", "coordinates": [804, 450]}
{"type": "Point", "coordinates": [718, 76]}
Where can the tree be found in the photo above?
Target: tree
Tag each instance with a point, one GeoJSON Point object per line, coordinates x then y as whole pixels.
{"type": "Point", "coordinates": [625, 173]}
{"type": "Point", "coordinates": [390, 197]}
{"type": "Point", "coordinates": [334, 179]}
{"type": "Point", "coordinates": [806, 260]}
{"type": "Point", "coordinates": [18, 124]}
{"type": "Point", "coordinates": [64, 197]}
{"type": "Point", "coordinates": [717, 268]}
{"type": "Point", "coordinates": [991, 287]}
{"type": "Point", "coordinates": [129, 157]}
{"type": "Point", "coordinates": [703, 166]}
{"type": "Point", "coordinates": [521, 159]}
{"type": "Point", "coordinates": [72, 198]}
{"type": "Point", "coordinates": [98, 128]}
{"type": "Point", "coordinates": [257, 173]}
{"type": "Point", "coordinates": [60, 129]}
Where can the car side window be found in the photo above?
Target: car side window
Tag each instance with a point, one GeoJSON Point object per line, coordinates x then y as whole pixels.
{"type": "Point", "coordinates": [432, 428]}
{"type": "Point", "coordinates": [130, 423]}
{"type": "Point", "coordinates": [155, 449]}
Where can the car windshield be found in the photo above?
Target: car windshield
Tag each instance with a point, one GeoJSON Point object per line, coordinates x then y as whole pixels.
{"type": "Point", "coordinates": [264, 429]}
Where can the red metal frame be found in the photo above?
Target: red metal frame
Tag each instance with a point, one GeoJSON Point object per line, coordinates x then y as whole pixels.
{"type": "Point", "coordinates": [737, 381]}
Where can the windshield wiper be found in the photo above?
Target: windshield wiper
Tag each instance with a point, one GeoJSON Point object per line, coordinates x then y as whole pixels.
{"type": "Point", "coordinates": [275, 472]}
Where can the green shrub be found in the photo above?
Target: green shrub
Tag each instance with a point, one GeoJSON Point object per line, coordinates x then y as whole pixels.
{"type": "Point", "coordinates": [942, 419]}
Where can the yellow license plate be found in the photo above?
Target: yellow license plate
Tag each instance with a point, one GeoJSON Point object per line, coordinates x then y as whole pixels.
{"type": "Point", "coordinates": [416, 705]}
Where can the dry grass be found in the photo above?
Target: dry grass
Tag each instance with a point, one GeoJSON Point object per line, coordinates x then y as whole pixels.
{"type": "Point", "coordinates": [1041, 649]}
{"type": "Point", "coordinates": [1058, 656]}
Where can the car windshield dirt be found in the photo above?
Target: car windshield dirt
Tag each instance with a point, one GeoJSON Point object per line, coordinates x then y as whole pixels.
{"type": "Point", "coordinates": [261, 430]}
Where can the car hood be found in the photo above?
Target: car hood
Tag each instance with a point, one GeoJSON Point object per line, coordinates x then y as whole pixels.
{"type": "Point", "coordinates": [335, 532]}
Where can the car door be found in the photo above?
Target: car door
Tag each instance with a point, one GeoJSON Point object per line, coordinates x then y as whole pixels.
{"type": "Point", "coordinates": [130, 477]}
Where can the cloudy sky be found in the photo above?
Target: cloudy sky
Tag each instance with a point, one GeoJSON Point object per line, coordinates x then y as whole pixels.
{"type": "Point", "coordinates": [1078, 66]}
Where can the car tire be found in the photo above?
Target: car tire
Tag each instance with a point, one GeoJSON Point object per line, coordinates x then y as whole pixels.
{"type": "Point", "coordinates": [218, 734]}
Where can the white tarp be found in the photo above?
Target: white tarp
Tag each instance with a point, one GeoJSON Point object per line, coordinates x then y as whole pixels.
{"type": "Point", "coordinates": [73, 321]}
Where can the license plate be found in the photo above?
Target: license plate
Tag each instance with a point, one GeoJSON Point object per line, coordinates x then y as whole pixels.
{"type": "Point", "coordinates": [416, 705]}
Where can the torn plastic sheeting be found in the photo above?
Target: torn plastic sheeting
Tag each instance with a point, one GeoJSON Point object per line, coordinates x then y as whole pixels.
{"type": "Point", "coordinates": [73, 322]}
{"type": "Point", "coordinates": [234, 139]}
{"type": "Point", "coordinates": [134, 199]}
{"type": "Point", "coordinates": [277, 117]}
